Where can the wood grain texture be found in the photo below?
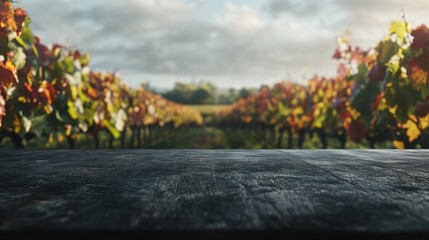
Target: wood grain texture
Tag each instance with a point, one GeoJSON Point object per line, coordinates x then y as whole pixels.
{"type": "Point", "coordinates": [322, 191]}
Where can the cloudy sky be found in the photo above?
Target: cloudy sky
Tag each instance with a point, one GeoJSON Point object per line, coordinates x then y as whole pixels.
{"type": "Point", "coordinates": [233, 43]}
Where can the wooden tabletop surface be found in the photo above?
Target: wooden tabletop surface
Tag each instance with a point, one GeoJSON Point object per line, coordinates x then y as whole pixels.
{"type": "Point", "coordinates": [322, 191]}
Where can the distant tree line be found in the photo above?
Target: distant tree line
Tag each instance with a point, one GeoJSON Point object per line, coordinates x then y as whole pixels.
{"type": "Point", "coordinates": [205, 93]}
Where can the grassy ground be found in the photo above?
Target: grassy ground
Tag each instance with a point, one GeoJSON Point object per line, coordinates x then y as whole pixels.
{"type": "Point", "coordinates": [208, 138]}
{"type": "Point", "coordinates": [83, 141]}
{"type": "Point", "coordinates": [229, 138]}
{"type": "Point", "coordinates": [207, 109]}
{"type": "Point", "coordinates": [195, 138]}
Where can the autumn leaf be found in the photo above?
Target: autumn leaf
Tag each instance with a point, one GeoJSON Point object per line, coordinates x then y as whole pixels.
{"type": "Point", "coordinates": [356, 131]}
{"type": "Point", "coordinates": [388, 50]}
{"type": "Point", "coordinates": [415, 126]}
{"type": "Point", "coordinates": [43, 52]}
{"type": "Point", "coordinates": [422, 109]}
{"type": "Point", "coordinates": [377, 73]}
{"type": "Point", "coordinates": [423, 60]}
{"type": "Point", "coordinates": [342, 71]}
{"type": "Point", "coordinates": [20, 17]}
{"type": "Point", "coordinates": [421, 38]}
{"type": "Point", "coordinates": [7, 74]}
{"type": "Point", "coordinates": [337, 55]}
{"type": "Point", "coordinates": [3, 99]}
{"type": "Point", "coordinates": [364, 99]}
{"type": "Point", "coordinates": [7, 18]}
{"type": "Point", "coordinates": [375, 105]}
{"type": "Point", "coordinates": [92, 93]}
{"type": "Point", "coordinates": [399, 28]}
{"type": "Point", "coordinates": [44, 95]}
{"type": "Point", "coordinates": [399, 144]}
{"type": "Point", "coordinates": [418, 70]}
{"type": "Point", "coordinates": [413, 131]}
{"type": "Point", "coordinates": [416, 74]}
{"type": "Point", "coordinates": [402, 97]}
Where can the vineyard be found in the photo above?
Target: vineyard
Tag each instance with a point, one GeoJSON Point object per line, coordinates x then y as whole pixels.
{"type": "Point", "coordinates": [378, 95]}
{"type": "Point", "coordinates": [50, 93]}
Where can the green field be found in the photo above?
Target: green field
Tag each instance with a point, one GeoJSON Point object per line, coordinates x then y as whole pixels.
{"type": "Point", "coordinates": [195, 138]}
{"type": "Point", "coordinates": [231, 138]}
{"type": "Point", "coordinates": [208, 109]}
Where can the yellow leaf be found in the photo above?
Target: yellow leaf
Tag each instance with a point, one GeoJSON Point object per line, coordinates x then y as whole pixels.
{"type": "Point", "coordinates": [413, 131]}
{"type": "Point", "coordinates": [424, 122]}
{"type": "Point", "coordinates": [17, 124]}
{"type": "Point", "coordinates": [399, 145]}
{"type": "Point", "coordinates": [400, 28]}
{"type": "Point", "coordinates": [316, 112]}
{"type": "Point", "coordinates": [354, 113]}
{"type": "Point", "coordinates": [61, 138]}
{"type": "Point", "coordinates": [22, 99]}
{"type": "Point", "coordinates": [68, 131]}
{"type": "Point", "coordinates": [392, 110]}
{"type": "Point", "coordinates": [383, 104]}
{"type": "Point", "coordinates": [74, 92]}
{"type": "Point", "coordinates": [298, 111]}
{"type": "Point", "coordinates": [48, 109]}
{"type": "Point", "coordinates": [318, 124]}
{"type": "Point", "coordinates": [72, 110]}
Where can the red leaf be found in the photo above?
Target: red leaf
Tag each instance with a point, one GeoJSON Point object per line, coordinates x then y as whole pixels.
{"type": "Point", "coordinates": [92, 93]}
{"type": "Point", "coordinates": [6, 18]}
{"type": "Point", "coordinates": [44, 53]}
{"type": "Point", "coordinates": [356, 131]}
{"type": "Point", "coordinates": [49, 92]}
{"type": "Point", "coordinates": [20, 17]}
{"type": "Point", "coordinates": [3, 99]}
{"type": "Point", "coordinates": [422, 109]}
{"type": "Point", "coordinates": [337, 55]}
{"type": "Point", "coordinates": [377, 101]}
{"type": "Point", "coordinates": [377, 73]}
{"type": "Point", "coordinates": [25, 73]}
{"type": "Point", "coordinates": [342, 71]}
{"type": "Point", "coordinates": [418, 69]}
{"type": "Point", "coordinates": [357, 55]}
{"type": "Point", "coordinates": [421, 38]}
{"type": "Point", "coordinates": [44, 94]}
{"type": "Point", "coordinates": [76, 55]}
{"type": "Point", "coordinates": [7, 75]}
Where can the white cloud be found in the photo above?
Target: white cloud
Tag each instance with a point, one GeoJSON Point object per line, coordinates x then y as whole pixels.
{"type": "Point", "coordinates": [167, 40]}
{"type": "Point", "coordinates": [368, 20]}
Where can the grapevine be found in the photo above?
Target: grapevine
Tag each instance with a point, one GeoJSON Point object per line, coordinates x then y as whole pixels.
{"type": "Point", "coordinates": [50, 91]}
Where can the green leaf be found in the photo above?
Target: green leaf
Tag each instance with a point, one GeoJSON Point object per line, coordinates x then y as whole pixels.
{"type": "Point", "coordinates": [111, 129]}
{"type": "Point", "coordinates": [19, 58]}
{"type": "Point", "coordinates": [21, 42]}
{"type": "Point", "coordinates": [27, 124]}
{"type": "Point", "coordinates": [281, 108]}
{"type": "Point", "coordinates": [381, 120]}
{"type": "Point", "coordinates": [39, 124]}
{"type": "Point", "coordinates": [363, 100]}
{"type": "Point", "coordinates": [425, 92]}
{"type": "Point", "coordinates": [36, 52]}
{"type": "Point", "coordinates": [67, 65]}
{"type": "Point", "coordinates": [27, 35]}
{"type": "Point", "coordinates": [85, 59]}
{"type": "Point", "coordinates": [362, 75]}
{"type": "Point", "coordinates": [58, 116]}
{"type": "Point", "coordinates": [404, 97]}
{"type": "Point", "coordinates": [389, 50]}
{"type": "Point", "coordinates": [72, 110]}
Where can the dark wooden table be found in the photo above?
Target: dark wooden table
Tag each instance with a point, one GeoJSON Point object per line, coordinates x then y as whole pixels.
{"type": "Point", "coordinates": [215, 194]}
